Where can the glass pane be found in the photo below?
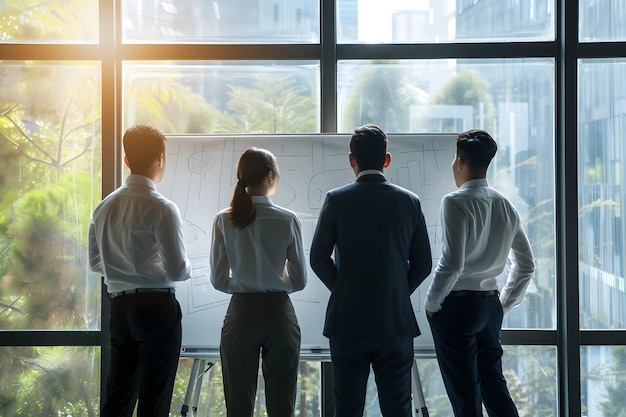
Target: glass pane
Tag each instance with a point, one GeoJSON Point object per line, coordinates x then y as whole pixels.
{"type": "Point", "coordinates": [50, 181]}
{"type": "Point", "coordinates": [223, 97]}
{"type": "Point", "coordinates": [211, 400]}
{"type": "Point", "coordinates": [50, 381]}
{"type": "Point", "coordinates": [601, 231]}
{"type": "Point", "coordinates": [423, 21]}
{"type": "Point", "coordinates": [530, 372]}
{"type": "Point", "coordinates": [513, 99]}
{"type": "Point", "coordinates": [603, 381]}
{"type": "Point", "coordinates": [221, 21]}
{"type": "Point", "coordinates": [602, 20]}
{"type": "Point", "coordinates": [53, 21]}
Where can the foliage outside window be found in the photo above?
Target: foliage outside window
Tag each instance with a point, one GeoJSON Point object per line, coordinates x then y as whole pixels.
{"type": "Point", "coordinates": [223, 97]}
{"type": "Point", "coordinates": [601, 150]}
{"type": "Point", "coordinates": [49, 184]}
{"type": "Point", "coordinates": [513, 99]}
{"type": "Point", "coordinates": [52, 21]}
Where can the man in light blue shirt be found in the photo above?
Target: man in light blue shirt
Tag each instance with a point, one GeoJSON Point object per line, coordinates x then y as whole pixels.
{"type": "Point", "coordinates": [481, 230]}
{"type": "Point", "coordinates": [136, 244]}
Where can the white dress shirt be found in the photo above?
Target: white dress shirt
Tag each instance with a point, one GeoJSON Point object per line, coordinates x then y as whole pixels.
{"type": "Point", "coordinates": [136, 238]}
{"type": "Point", "coordinates": [265, 256]}
{"type": "Point", "coordinates": [481, 229]}
{"type": "Point", "coordinates": [369, 172]}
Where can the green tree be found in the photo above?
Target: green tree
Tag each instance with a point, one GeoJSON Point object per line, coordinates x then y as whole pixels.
{"type": "Point", "coordinates": [276, 104]}
{"type": "Point", "coordinates": [170, 106]}
{"type": "Point", "coordinates": [50, 145]}
{"type": "Point", "coordinates": [47, 271]}
{"type": "Point", "coordinates": [467, 88]}
{"type": "Point", "coordinates": [614, 404]}
{"type": "Point", "coordinates": [380, 96]}
{"type": "Point", "coordinates": [48, 20]}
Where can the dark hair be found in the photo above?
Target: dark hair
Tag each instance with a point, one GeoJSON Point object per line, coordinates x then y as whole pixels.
{"type": "Point", "coordinates": [369, 147]}
{"type": "Point", "coordinates": [477, 148]}
{"type": "Point", "coordinates": [253, 166]}
{"type": "Point", "coordinates": [142, 146]}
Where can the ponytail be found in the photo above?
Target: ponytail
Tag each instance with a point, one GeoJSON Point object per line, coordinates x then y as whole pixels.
{"type": "Point", "coordinates": [252, 168]}
{"type": "Point", "coordinates": [242, 209]}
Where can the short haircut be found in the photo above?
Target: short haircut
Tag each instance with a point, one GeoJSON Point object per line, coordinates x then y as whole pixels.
{"type": "Point", "coordinates": [369, 147]}
{"type": "Point", "coordinates": [142, 146]}
{"type": "Point", "coordinates": [477, 148]}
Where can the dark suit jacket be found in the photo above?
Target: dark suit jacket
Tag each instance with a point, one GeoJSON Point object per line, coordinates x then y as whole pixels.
{"type": "Point", "coordinates": [382, 253]}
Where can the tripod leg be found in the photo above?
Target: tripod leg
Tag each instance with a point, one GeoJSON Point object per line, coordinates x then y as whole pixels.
{"type": "Point", "coordinates": [418, 394]}
{"type": "Point", "coordinates": [192, 381]}
{"type": "Point", "coordinates": [198, 386]}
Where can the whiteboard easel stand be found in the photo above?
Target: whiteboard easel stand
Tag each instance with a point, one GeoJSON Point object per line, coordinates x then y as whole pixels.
{"type": "Point", "coordinates": [192, 396]}
{"type": "Point", "coordinates": [418, 394]}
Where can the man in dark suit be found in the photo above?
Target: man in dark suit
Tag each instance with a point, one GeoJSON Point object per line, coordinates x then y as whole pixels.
{"type": "Point", "coordinates": [381, 255]}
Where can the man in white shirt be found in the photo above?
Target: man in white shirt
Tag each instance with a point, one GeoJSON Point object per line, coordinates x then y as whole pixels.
{"type": "Point", "coordinates": [481, 230]}
{"type": "Point", "coordinates": [136, 244]}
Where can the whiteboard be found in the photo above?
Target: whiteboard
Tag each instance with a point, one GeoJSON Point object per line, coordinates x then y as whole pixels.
{"type": "Point", "coordinates": [200, 176]}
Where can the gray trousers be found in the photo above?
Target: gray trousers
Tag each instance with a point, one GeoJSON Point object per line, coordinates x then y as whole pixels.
{"type": "Point", "coordinates": [260, 325]}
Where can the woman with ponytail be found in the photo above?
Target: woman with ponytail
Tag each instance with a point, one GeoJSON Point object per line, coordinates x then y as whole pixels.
{"type": "Point", "coordinates": [257, 256]}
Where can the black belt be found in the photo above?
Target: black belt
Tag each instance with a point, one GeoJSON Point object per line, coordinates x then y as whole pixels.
{"type": "Point", "coordinates": [465, 293]}
{"type": "Point", "coordinates": [169, 290]}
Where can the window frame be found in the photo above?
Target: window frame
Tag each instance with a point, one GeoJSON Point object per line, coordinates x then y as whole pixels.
{"type": "Point", "coordinates": [567, 50]}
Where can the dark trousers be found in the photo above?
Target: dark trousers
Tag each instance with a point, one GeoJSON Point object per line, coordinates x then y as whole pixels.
{"type": "Point", "coordinates": [466, 332]}
{"type": "Point", "coordinates": [265, 325]}
{"type": "Point", "coordinates": [145, 347]}
{"type": "Point", "coordinates": [391, 360]}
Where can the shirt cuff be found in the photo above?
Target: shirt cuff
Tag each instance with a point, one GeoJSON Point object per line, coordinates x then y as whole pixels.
{"type": "Point", "coordinates": [429, 306]}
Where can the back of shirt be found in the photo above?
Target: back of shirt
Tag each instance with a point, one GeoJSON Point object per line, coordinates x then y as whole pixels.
{"type": "Point", "coordinates": [265, 256]}
{"type": "Point", "coordinates": [136, 240]}
{"type": "Point", "coordinates": [481, 230]}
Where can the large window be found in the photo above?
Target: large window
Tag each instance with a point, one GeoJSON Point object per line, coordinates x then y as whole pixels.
{"type": "Point", "coordinates": [602, 20]}
{"type": "Point", "coordinates": [601, 178]}
{"type": "Point", "coordinates": [602, 380]}
{"type": "Point", "coordinates": [50, 146]}
{"type": "Point", "coordinates": [402, 21]}
{"type": "Point", "coordinates": [50, 117]}
{"type": "Point", "coordinates": [221, 21]}
{"type": "Point", "coordinates": [223, 97]}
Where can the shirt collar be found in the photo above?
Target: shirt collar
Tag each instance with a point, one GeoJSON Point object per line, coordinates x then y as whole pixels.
{"type": "Point", "coordinates": [140, 179]}
{"type": "Point", "coordinates": [478, 182]}
{"type": "Point", "coordinates": [262, 199]}
{"type": "Point", "coordinates": [370, 172]}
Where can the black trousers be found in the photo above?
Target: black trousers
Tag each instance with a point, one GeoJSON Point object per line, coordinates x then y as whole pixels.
{"type": "Point", "coordinates": [466, 332]}
{"type": "Point", "coordinates": [260, 325]}
{"type": "Point", "coordinates": [391, 360]}
{"type": "Point", "coordinates": [146, 337]}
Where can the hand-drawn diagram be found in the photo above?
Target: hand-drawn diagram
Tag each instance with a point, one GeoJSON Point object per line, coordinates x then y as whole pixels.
{"type": "Point", "coordinates": [200, 177]}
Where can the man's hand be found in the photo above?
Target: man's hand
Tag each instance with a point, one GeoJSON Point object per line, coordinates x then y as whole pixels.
{"type": "Point", "coordinates": [429, 313]}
